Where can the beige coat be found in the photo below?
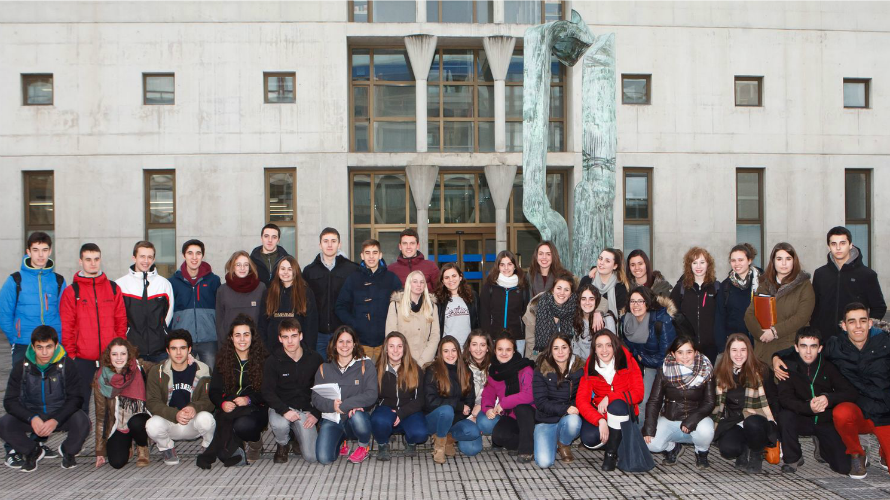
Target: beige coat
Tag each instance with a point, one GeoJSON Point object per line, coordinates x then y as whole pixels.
{"type": "Point", "coordinates": [423, 336]}
{"type": "Point", "coordinates": [794, 307]}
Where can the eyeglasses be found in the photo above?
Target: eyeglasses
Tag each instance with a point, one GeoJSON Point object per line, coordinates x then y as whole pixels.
{"type": "Point", "coordinates": [638, 301]}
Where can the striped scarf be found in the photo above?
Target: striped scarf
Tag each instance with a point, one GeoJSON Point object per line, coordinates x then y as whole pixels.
{"type": "Point", "coordinates": [683, 377]}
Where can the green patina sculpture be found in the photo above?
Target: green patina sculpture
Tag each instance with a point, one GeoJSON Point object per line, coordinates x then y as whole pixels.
{"type": "Point", "coordinates": [595, 194]}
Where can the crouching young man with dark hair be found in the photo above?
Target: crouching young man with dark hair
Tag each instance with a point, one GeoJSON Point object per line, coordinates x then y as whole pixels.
{"type": "Point", "coordinates": [43, 396]}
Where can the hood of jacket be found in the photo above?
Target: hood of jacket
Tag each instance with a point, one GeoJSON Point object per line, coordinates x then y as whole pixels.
{"type": "Point", "coordinates": [203, 270]}
{"type": "Point", "coordinates": [151, 273]}
{"type": "Point", "coordinates": [381, 268]}
{"type": "Point", "coordinates": [99, 279]}
{"type": "Point", "coordinates": [546, 368]}
{"type": "Point", "coordinates": [27, 268]}
{"type": "Point", "coordinates": [58, 354]}
{"type": "Point", "coordinates": [411, 261]}
{"type": "Point", "coordinates": [667, 304]}
{"type": "Point", "coordinates": [785, 289]}
{"type": "Point", "coordinates": [167, 369]}
{"type": "Point", "coordinates": [397, 297]}
{"type": "Point", "coordinates": [854, 261]}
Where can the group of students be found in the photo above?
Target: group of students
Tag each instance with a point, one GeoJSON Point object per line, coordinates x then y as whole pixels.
{"type": "Point", "coordinates": [340, 352]}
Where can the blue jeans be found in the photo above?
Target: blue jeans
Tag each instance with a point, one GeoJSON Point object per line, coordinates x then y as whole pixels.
{"type": "Point", "coordinates": [566, 430]}
{"type": "Point", "coordinates": [413, 426]}
{"type": "Point", "coordinates": [486, 425]}
{"type": "Point", "coordinates": [330, 435]}
{"type": "Point", "coordinates": [520, 347]}
{"type": "Point", "coordinates": [206, 352]}
{"type": "Point", "coordinates": [321, 346]}
{"type": "Point", "coordinates": [668, 434]}
{"type": "Point", "coordinates": [441, 423]}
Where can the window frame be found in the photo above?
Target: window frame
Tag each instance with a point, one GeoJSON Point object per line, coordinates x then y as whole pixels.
{"type": "Point", "coordinates": [26, 187]}
{"type": "Point", "coordinates": [868, 220]}
{"type": "Point", "coordinates": [267, 176]}
{"type": "Point", "coordinates": [145, 89]}
{"type": "Point", "coordinates": [867, 83]}
{"type": "Point", "coordinates": [637, 76]}
{"type": "Point", "coordinates": [278, 74]}
{"type": "Point", "coordinates": [760, 204]}
{"type": "Point", "coordinates": [649, 173]}
{"type": "Point", "coordinates": [146, 186]}
{"type": "Point", "coordinates": [748, 78]}
{"type": "Point", "coordinates": [26, 77]}
{"type": "Point", "coordinates": [543, 19]}
{"type": "Point", "coordinates": [370, 84]}
{"type": "Point", "coordinates": [351, 7]}
{"type": "Point", "coordinates": [475, 12]}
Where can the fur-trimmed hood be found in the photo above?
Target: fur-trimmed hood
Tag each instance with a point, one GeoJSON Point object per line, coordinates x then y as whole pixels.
{"type": "Point", "coordinates": [546, 368]}
{"type": "Point", "coordinates": [786, 288]}
{"type": "Point", "coordinates": [397, 297]}
{"type": "Point", "coordinates": [666, 303]}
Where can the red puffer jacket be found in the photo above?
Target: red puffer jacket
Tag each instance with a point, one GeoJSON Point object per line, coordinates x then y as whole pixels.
{"type": "Point", "coordinates": [593, 388]}
{"type": "Point", "coordinates": [97, 316]}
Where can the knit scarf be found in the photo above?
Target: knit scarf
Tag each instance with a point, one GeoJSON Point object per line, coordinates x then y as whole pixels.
{"type": "Point", "coordinates": [508, 282]}
{"type": "Point", "coordinates": [508, 372]}
{"type": "Point", "coordinates": [750, 281]}
{"type": "Point", "coordinates": [636, 331]}
{"type": "Point", "coordinates": [545, 327]}
{"type": "Point", "coordinates": [246, 284]}
{"type": "Point", "coordinates": [683, 377]}
{"type": "Point", "coordinates": [128, 388]}
{"type": "Point", "coordinates": [607, 290]}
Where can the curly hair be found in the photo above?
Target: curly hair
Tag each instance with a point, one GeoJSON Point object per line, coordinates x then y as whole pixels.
{"type": "Point", "coordinates": [443, 294]}
{"type": "Point", "coordinates": [132, 352]}
{"type": "Point", "coordinates": [692, 254]}
{"type": "Point", "coordinates": [228, 356]}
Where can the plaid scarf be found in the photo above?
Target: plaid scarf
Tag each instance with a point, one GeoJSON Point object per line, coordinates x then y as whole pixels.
{"type": "Point", "coordinates": [683, 377]}
{"type": "Point", "coordinates": [755, 403]}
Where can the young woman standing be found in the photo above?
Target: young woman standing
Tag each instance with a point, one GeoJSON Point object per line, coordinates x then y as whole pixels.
{"type": "Point", "coordinates": [241, 293]}
{"type": "Point", "coordinates": [458, 304]}
{"type": "Point", "coordinates": [609, 279]}
{"type": "Point", "coordinates": [545, 266]}
{"type": "Point", "coordinates": [736, 292]}
{"type": "Point", "coordinates": [504, 299]}
{"type": "Point", "coordinates": [400, 397]}
{"type": "Point", "coordinates": [288, 296]}
{"type": "Point", "coordinates": [550, 314]}
{"type": "Point", "coordinates": [413, 312]}
{"type": "Point", "coordinates": [589, 305]}
{"type": "Point", "coordinates": [556, 381]}
{"type": "Point", "coordinates": [696, 296]}
{"type": "Point", "coordinates": [640, 273]}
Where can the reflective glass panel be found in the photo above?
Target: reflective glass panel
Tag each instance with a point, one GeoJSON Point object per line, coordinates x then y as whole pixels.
{"type": "Point", "coordinates": [389, 199]}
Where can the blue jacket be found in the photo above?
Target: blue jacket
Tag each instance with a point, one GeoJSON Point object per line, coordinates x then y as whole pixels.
{"type": "Point", "coordinates": [194, 307]}
{"type": "Point", "coordinates": [364, 301]}
{"type": "Point", "coordinates": [651, 354]}
{"type": "Point", "coordinates": [38, 303]}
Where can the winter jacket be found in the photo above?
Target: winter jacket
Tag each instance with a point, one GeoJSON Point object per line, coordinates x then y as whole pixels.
{"type": "Point", "coordinates": [106, 415]}
{"type": "Point", "coordinates": [628, 379]}
{"type": "Point", "coordinates": [159, 390]}
{"type": "Point", "coordinates": [364, 301]}
{"type": "Point", "coordinates": [699, 305]}
{"type": "Point", "coordinates": [358, 385]}
{"type": "Point", "coordinates": [660, 286]}
{"type": "Point", "coordinates": [404, 402]}
{"type": "Point", "coordinates": [552, 401]}
{"type": "Point", "coordinates": [495, 393]}
{"type": "Point", "coordinates": [731, 307]}
{"type": "Point", "coordinates": [93, 313]}
{"type": "Point", "coordinates": [500, 308]}
{"type": "Point", "coordinates": [423, 336]}
{"type": "Point", "coordinates": [794, 307]}
{"type": "Point", "coordinates": [455, 399]}
{"type": "Point", "coordinates": [229, 304]}
{"type": "Point", "coordinates": [148, 298]}
{"type": "Point", "coordinates": [37, 303]}
{"type": "Point", "coordinates": [661, 333]}
{"type": "Point", "coordinates": [473, 306]}
{"type": "Point", "coordinates": [806, 382]}
{"type": "Point", "coordinates": [402, 267]}
{"type": "Point", "coordinates": [687, 406]}
{"type": "Point", "coordinates": [264, 272]}
{"type": "Point", "coordinates": [288, 384]}
{"type": "Point", "coordinates": [55, 393]}
{"type": "Point", "coordinates": [219, 393]}
{"type": "Point", "coordinates": [268, 326]}
{"type": "Point", "coordinates": [835, 288]}
{"type": "Point", "coordinates": [194, 307]}
{"type": "Point", "coordinates": [326, 286]}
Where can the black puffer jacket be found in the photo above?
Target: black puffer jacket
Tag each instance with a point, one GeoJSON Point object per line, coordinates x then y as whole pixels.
{"type": "Point", "coordinates": [326, 286]}
{"type": "Point", "coordinates": [688, 406]}
{"type": "Point", "coordinates": [456, 400]}
{"type": "Point", "coordinates": [404, 402]}
{"type": "Point", "coordinates": [553, 400]}
{"type": "Point", "coordinates": [835, 288]}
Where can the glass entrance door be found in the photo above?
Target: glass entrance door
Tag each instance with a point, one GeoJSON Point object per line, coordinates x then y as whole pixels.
{"type": "Point", "coordinates": [473, 253]}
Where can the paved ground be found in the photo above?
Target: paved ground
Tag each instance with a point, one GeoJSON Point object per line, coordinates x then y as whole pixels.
{"type": "Point", "coordinates": [490, 475]}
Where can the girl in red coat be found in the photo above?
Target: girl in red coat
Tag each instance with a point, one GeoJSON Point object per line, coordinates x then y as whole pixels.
{"type": "Point", "coordinates": [612, 387]}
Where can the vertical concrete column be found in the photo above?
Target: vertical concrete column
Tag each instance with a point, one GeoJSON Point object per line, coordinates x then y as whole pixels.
{"type": "Point", "coordinates": [499, 50]}
{"type": "Point", "coordinates": [500, 183]}
{"type": "Point", "coordinates": [421, 11]}
{"type": "Point", "coordinates": [497, 11]}
{"type": "Point", "coordinates": [422, 179]}
{"type": "Point", "coordinates": [421, 49]}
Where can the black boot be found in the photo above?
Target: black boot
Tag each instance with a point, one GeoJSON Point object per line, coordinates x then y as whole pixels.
{"type": "Point", "coordinates": [755, 462]}
{"type": "Point", "coordinates": [741, 462]}
{"type": "Point", "coordinates": [701, 460]}
{"type": "Point", "coordinates": [610, 460]}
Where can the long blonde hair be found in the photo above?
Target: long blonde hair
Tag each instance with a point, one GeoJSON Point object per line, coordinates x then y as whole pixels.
{"type": "Point", "coordinates": [426, 308]}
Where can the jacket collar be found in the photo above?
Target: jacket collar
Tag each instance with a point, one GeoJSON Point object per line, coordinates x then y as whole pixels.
{"type": "Point", "coordinates": [26, 266]}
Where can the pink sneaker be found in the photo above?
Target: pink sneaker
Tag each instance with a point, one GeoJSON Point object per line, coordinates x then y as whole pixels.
{"type": "Point", "coordinates": [360, 454]}
{"type": "Point", "coordinates": [344, 450]}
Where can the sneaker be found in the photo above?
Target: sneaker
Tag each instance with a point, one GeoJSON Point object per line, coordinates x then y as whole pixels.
{"type": "Point", "coordinates": [15, 461]}
{"type": "Point", "coordinates": [31, 460]}
{"type": "Point", "coordinates": [344, 450]}
{"type": "Point", "coordinates": [170, 457]}
{"type": "Point", "coordinates": [48, 452]}
{"type": "Point", "coordinates": [816, 453]}
{"type": "Point", "coordinates": [858, 463]}
{"type": "Point", "coordinates": [360, 454]}
{"type": "Point", "coordinates": [68, 460]}
{"type": "Point", "coordinates": [670, 457]}
{"type": "Point", "coordinates": [524, 458]}
{"type": "Point", "coordinates": [788, 469]}
{"type": "Point", "coordinates": [882, 463]}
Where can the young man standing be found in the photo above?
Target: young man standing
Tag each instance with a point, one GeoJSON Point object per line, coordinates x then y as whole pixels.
{"type": "Point", "coordinates": [269, 253]}
{"type": "Point", "coordinates": [844, 279]}
{"type": "Point", "coordinates": [93, 313]}
{"type": "Point", "coordinates": [812, 390]}
{"type": "Point", "coordinates": [148, 298]}
{"type": "Point", "coordinates": [176, 396]}
{"type": "Point", "coordinates": [43, 396]}
{"type": "Point", "coordinates": [194, 309]}
{"type": "Point", "coordinates": [30, 297]}
{"type": "Point", "coordinates": [412, 260]}
{"type": "Point", "coordinates": [364, 299]}
{"type": "Point", "coordinates": [325, 277]}
{"type": "Point", "coordinates": [288, 377]}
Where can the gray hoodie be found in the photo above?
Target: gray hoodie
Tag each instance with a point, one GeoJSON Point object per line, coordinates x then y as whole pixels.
{"type": "Point", "coordinates": [358, 385]}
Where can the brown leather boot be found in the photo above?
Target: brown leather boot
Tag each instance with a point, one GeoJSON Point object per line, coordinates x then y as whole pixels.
{"type": "Point", "coordinates": [564, 452]}
{"type": "Point", "coordinates": [142, 456]}
{"type": "Point", "coordinates": [439, 450]}
{"type": "Point", "coordinates": [449, 446]}
{"type": "Point", "coordinates": [280, 454]}
{"type": "Point", "coordinates": [254, 450]}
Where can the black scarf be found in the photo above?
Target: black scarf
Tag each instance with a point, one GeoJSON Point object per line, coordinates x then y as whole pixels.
{"type": "Point", "coordinates": [416, 307]}
{"type": "Point", "coordinates": [508, 372]}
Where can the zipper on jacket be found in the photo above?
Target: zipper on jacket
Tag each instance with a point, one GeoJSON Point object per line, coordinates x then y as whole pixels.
{"type": "Point", "coordinates": [43, 390]}
{"type": "Point", "coordinates": [506, 304]}
{"type": "Point", "coordinates": [98, 325]}
{"type": "Point", "coordinates": [40, 297]}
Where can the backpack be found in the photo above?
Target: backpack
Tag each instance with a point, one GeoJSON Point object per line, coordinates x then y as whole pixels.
{"type": "Point", "coordinates": [17, 278]}
{"type": "Point", "coordinates": [76, 288]}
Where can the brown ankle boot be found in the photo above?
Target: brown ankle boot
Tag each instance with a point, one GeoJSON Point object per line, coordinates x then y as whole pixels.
{"type": "Point", "coordinates": [142, 456]}
{"type": "Point", "coordinates": [254, 450]}
{"type": "Point", "coordinates": [281, 454]}
{"type": "Point", "coordinates": [439, 450]}
{"type": "Point", "coordinates": [564, 452]}
{"type": "Point", "coordinates": [449, 446]}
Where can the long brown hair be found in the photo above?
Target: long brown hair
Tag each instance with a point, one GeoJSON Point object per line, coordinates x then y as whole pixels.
{"type": "Point", "coordinates": [230, 264]}
{"type": "Point", "coordinates": [358, 352]}
{"type": "Point", "coordinates": [617, 351]}
{"type": "Point", "coordinates": [618, 258]}
{"type": "Point", "coordinates": [408, 373]}
{"type": "Point", "coordinates": [492, 278]}
{"type": "Point", "coordinates": [440, 371]}
{"type": "Point", "coordinates": [692, 254]}
{"type": "Point", "coordinates": [770, 274]}
{"type": "Point", "coordinates": [228, 356]}
{"type": "Point", "coordinates": [468, 358]}
{"type": "Point", "coordinates": [650, 273]}
{"type": "Point", "coordinates": [555, 264]}
{"type": "Point", "coordinates": [547, 357]}
{"type": "Point", "coordinates": [578, 321]}
{"type": "Point", "coordinates": [132, 353]}
{"type": "Point", "coordinates": [443, 294]}
{"type": "Point", "coordinates": [750, 374]}
{"type": "Point", "coordinates": [298, 289]}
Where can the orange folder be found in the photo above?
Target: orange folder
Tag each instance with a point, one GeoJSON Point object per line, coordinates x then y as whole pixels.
{"type": "Point", "coordinates": [765, 310]}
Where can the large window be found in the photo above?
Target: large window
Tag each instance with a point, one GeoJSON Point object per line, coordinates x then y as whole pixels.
{"type": "Point", "coordinates": [638, 210]}
{"type": "Point", "coordinates": [37, 90]}
{"type": "Point", "coordinates": [158, 88]}
{"type": "Point", "coordinates": [856, 92]}
{"type": "Point", "coordinates": [382, 101]}
{"type": "Point", "coordinates": [532, 12]}
{"type": "Point", "coordinates": [749, 209]}
{"type": "Point", "coordinates": [460, 11]}
{"type": "Point", "coordinates": [160, 218]}
{"type": "Point", "coordinates": [280, 205]}
{"type": "Point", "coordinates": [857, 208]}
{"type": "Point", "coordinates": [382, 11]}
{"type": "Point", "coordinates": [39, 203]}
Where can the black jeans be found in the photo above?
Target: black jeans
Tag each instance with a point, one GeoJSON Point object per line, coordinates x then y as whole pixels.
{"type": "Point", "coordinates": [86, 371]}
{"type": "Point", "coordinates": [516, 433]}
{"type": "Point", "coordinates": [245, 423]}
{"type": "Point", "coordinates": [831, 447]}
{"type": "Point", "coordinates": [753, 436]}
{"type": "Point", "coordinates": [119, 444]}
{"type": "Point", "coordinates": [16, 433]}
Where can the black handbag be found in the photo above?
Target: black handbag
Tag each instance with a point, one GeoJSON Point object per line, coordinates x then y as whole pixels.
{"type": "Point", "coordinates": [633, 453]}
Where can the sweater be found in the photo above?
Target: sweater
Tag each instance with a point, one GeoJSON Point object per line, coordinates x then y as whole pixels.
{"type": "Point", "coordinates": [287, 383]}
{"type": "Point", "coordinates": [230, 304]}
{"type": "Point", "coordinates": [423, 336]}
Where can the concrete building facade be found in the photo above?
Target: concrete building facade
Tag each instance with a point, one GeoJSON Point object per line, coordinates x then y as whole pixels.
{"type": "Point", "coordinates": [732, 125]}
